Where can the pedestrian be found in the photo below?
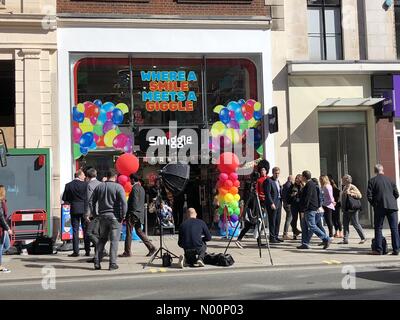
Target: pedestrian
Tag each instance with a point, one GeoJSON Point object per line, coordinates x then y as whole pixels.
{"type": "Point", "coordinates": [260, 184]}
{"type": "Point", "coordinates": [193, 235]}
{"type": "Point", "coordinates": [350, 190]}
{"type": "Point", "coordinates": [135, 218]}
{"type": "Point", "coordinates": [286, 206]}
{"type": "Point", "coordinates": [337, 221]}
{"type": "Point", "coordinates": [382, 195]}
{"type": "Point", "coordinates": [251, 220]}
{"type": "Point", "coordinates": [309, 204]}
{"type": "Point", "coordinates": [166, 215]}
{"type": "Point", "coordinates": [294, 200]}
{"type": "Point", "coordinates": [328, 203]}
{"type": "Point", "coordinates": [273, 204]}
{"type": "Point", "coordinates": [112, 207]}
{"type": "Point", "coordinates": [319, 218]}
{"type": "Point", "coordinates": [75, 194]}
{"type": "Point", "coordinates": [5, 230]}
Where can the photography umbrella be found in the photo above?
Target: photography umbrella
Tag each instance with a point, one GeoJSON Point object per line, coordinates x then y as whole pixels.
{"type": "Point", "coordinates": [175, 176]}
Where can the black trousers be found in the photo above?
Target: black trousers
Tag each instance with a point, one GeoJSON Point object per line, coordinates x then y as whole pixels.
{"type": "Point", "coordinates": [328, 220]}
{"type": "Point", "coordinates": [274, 221]}
{"type": "Point", "coordinates": [247, 227]}
{"type": "Point", "coordinates": [192, 255]}
{"type": "Point", "coordinates": [76, 220]}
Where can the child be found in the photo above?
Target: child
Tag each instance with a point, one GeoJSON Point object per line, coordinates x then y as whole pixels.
{"type": "Point", "coordinates": [166, 215]}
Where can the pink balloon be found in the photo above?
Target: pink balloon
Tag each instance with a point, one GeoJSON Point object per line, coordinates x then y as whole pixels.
{"type": "Point", "coordinates": [96, 137]}
{"type": "Point", "coordinates": [109, 125]}
{"type": "Point", "coordinates": [109, 115]}
{"type": "Point", "coordinates": [232, 114]}
{"type": "Point", "coordinates": [247, 116]}
{"type": "Point", "coordinates": [251, 102]}
{"type": "Point", "coordinates": [122, 179]}
{"type": "Point", "coordinates": [223, 177]}
{"type": "Point", "coordinates": [119, 141]}
{"type": "Point", "coordinates": [76, 134]}
{"type": "Point", "coordinates": [93, 120]}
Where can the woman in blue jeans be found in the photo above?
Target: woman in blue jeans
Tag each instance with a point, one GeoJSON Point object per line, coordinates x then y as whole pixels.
{"type": "Point", "coordinates": [5, 230]}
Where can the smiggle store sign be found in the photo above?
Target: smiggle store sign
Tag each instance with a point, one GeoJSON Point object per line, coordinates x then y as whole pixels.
{"type": "Point", "coordinates": [169, 90]}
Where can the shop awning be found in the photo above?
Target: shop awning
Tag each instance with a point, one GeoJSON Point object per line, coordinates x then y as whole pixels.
{"type": "Point", "coordinates": [350, 102]}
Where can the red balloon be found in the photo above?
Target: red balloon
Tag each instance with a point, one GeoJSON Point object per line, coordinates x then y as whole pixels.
{"type": "Point", "coordinates": [233, 176]}
{"type": "Point", "coordinates": [236, 183]}
{"type": "Point", "coordinates": [122, 179]}
{"type": "Point", "coordinates": [228, 184]}
{"type": "Point", "coordinates": [127, 164]}
{"type": "Point", "coordinates": [228, 162]}
{"type": "Point", "coordinates": [128, 187]}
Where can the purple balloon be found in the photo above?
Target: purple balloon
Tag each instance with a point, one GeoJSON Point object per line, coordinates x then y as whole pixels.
{"type": "Point", "coordinates": [234, 218]}
{"type": "Point", "coordinates": [109, 125]}
{"type": "Point", "coordinates": [234, 124]}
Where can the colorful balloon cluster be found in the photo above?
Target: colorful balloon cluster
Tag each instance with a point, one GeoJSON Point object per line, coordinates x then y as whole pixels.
{"type": "Point", "coordinates": [234, 122]}
{"type": "Point", "coordinates": [95, 125]}
{"type": "Point", "coordinates": [126, 165]}
{"type": "Point", "coordinates": [228, 189]}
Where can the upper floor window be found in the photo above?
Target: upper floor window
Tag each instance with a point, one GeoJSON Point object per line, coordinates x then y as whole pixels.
{"type": "Point", "coordinates": [324, 30]}
{"type": "Point", "coordinates": [397, 23]}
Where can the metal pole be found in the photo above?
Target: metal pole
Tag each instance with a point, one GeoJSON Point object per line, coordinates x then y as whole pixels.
{"type": "Point", "coordinates": [145, 218]}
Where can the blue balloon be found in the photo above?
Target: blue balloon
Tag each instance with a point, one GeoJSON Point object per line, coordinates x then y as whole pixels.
{"type": "Point", "coordinates": [224, 116]}
{"type": "Point", "coordinates": [77, 116]}
{"type": "Point", "coordinates": [86, 140]}
{"type": "Point", "coordinates": [108, 106]}
{"type": "Point", "coordinates": [84, 150]}
{"type": "Point", "coordinates": [118, 116]}
{"type": "Point", "coordinates": [239, 115]}
{"type": "Point", "coordinates": [93, 146]}
{"type": "Point", "coordinates": [102, 116]}
{"type": "Point", "coordinates": [98, 102]}
{"type": "Point", "coordinates": [257, 115]}
{"type": "Point", "coordinates": [233, 105]}
{"type": "Point", "coordinates": [241, 102]}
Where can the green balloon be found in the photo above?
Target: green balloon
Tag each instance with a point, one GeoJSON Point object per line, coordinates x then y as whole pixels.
{"type": "Point", "coordinates": [260, 150]}
{"type": "Point", "coordinates": [98, 129]}
{"type": "Point", "coordinates": [244, 125]}
{"type": "Point", "coordinates": [237, 211]}
{"type": "Point", "coordinates": [77, 151]}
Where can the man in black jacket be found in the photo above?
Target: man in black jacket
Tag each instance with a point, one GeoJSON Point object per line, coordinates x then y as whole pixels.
{"type": "Point", "coordinates": [309, 204]}
{"type": "Point", "coordinates": [75, 194]}
{"type": "Point", "coordinates": [382, 194]}
{"type": "Point", "coordinates": [273, 204]}
{"type": "Point", "coordinates": [193, 235]}
{"type": "Point", "coordinates": [135, 217]}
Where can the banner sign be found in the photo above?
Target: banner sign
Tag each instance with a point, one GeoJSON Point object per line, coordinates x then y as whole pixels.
{"type": "Point", "coordinates": [169, 90]}
{"type": "Point", "coordinates": [66, 226]}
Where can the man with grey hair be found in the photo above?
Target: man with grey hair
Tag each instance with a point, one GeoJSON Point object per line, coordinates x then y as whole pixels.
{"type": "Point", "coordinates": [382, 194]}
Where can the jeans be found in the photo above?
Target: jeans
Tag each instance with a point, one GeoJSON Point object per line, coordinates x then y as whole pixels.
{"type": "Point", "coordinates": [76, 220]}
{"type": "Point", "coordinates": [310, 217]}
{"type": "Point", "coordinates": [379, 218]}
{"type": "Point", "coordinates": [110, 228]}
{"type": "Point", "coordinates": [4, 245]}
{"type": "Point", "coordinates": [353, 217]}
{"type": "Point", "coordinates": [192, 255]}
{"type": "Point", "coordinates": [319, 221]}
{"type": "Point", "coordinates": [274, 220]}
{"type": "Point", "coordinates": [304, 230]}
{"type": "Point", "coordinates": [295, 215]}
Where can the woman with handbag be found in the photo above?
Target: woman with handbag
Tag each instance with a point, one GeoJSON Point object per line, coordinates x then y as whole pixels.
{"type": "Point", "coordinates": [351, 205]}
{"type": "Point", "coordinates": [5, 230]}
{"type": "Point", "coordinates": [328, 203]}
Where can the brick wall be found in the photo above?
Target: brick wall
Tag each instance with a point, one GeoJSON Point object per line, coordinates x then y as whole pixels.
{"type": "Point", "coordinates": [386, 152]}
{"type": "Point", "coordinates": [166, 7]}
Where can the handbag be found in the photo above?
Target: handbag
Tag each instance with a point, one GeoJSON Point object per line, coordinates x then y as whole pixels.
{"type": "Point", "coordinates": [352, 204]}
{"type": "Point", "coordinates": [166, 260]}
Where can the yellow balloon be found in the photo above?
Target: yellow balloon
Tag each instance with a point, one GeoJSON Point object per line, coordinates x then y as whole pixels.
{"type": "Point", "coordinates": [217, 129]}
{"type": "Point", "coordinates": [123, 107]}
{"type": "Point", "coordinates": [233, 135]}
{"type": "Point", "coordinates": [86, 126]}
{"type": "Point", "coordinates": [80, 107]}
{"type": "Point", "coordinates": [257, 106]}
{"type": "Point", "coordinates": [218, 108]}
{"type": "Point", "coordinates": [237, 197]}
{"type": "Point", "coordinates": [229, 197]}
{"type": "Point", "coordinates": [109, 137]}
{"type": "Point", "coordinates": [253, 123]}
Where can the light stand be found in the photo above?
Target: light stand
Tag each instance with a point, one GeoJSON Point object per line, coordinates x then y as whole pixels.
{"type": "Point", "coordinates": [260, 225]}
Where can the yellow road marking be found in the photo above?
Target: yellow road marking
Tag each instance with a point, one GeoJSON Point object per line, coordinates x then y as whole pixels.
{"type": "Point", "coordinates": [163, 270]}
{"type": "Point", "coordinates": [153, 270]}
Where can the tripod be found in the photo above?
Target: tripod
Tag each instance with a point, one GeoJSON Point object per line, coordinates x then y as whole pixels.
{"type": "Point", "coordinates": [159, 253]}
{"type": "Point", "coordinates": [260, 225]}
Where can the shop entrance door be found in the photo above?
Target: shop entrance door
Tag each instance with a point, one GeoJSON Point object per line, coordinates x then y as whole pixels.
{"type": "Point", "coordinates": [343, 150]}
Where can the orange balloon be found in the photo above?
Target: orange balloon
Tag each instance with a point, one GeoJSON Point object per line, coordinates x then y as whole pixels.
{"type": "Point", "coordinates": [222, 191]}
{"type": "Point", "coordinates": [233, 190]}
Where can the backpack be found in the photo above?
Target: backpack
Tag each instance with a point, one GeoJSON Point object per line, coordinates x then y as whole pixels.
{"type": "Point", "coordinates": [384, 245]}
{"type": "Point", "coordinates": [219, 259]}
{"type": "Point", "coordinates": [166, 260]}
{"type": "Point", "coordinates": [42, 245]}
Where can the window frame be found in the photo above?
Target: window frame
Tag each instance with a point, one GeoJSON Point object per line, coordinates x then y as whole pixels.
{"type": "Point", "coordinates": [322, 6]}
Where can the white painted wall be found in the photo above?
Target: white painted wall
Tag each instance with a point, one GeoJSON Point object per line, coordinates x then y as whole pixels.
{"type": "Point", "coordinates": [126, 40]}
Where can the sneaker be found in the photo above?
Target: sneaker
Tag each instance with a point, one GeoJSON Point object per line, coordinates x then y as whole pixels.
{"type": "Point", "coordinates": [327, 243]}
{"type": "Point", "coordinates": [395, 253]}
{"type": "Point", "coordinates": [344, 242]}
{"type": "Point", "coordinates": [303, 246]}
{"type": "Point", "coordinates": [113, 267]}
{"type": "Point", "coordinates": [200, 263]}
{"type": "Point", "coordinates": [181, 262]}
{"type": "Point", "coordinates": [286, 237]}
{"type": "Point", "coordinates": [238, 244]}
{"type": "Point", "coordinates": [362, 241]}
{"type": "Point", "coordinates": [124, 255]}
{"type": "Point", "coordinates": [5, 270]}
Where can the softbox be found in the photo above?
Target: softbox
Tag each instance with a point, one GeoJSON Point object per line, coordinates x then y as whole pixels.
{"type": "Point", "coordinates": [175, 177]}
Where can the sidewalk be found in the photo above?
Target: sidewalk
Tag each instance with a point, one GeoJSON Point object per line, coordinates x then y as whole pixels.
{"type": "Point", "coordinates": [283, 254]}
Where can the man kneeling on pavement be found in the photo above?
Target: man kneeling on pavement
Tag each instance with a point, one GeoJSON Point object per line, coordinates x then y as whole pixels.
{"type": "Point", "coordinates": [193, 235]}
